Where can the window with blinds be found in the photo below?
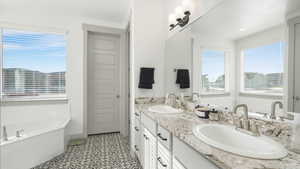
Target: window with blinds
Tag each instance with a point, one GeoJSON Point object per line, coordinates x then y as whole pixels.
{"type": "Point", "coordinates": [33, 64]}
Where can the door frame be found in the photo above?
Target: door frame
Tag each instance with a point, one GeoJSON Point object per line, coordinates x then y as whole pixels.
{"type": "Point", "coordinates": [292, 22]}
{"type": "Point", "coordinates": [123, 90]}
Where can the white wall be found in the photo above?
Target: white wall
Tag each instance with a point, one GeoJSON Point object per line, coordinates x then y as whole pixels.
{"type": "Point", "coordinates": [148, 36]}
{"type": "Point", "coordinates": [258, 103]}
{"type": "Point", "coordinates": [75, 47]}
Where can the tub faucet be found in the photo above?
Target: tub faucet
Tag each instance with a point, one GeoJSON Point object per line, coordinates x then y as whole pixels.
{"type": "Point", "coordinates": [5, 137]}
{"type": "Point", "coordinates": [273, 109]}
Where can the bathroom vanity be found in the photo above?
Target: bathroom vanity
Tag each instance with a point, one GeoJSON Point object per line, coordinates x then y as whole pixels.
{"type": "Point", "coordinates": [167, 141]}
{"type": "Point", "coordinates": [233, 62]}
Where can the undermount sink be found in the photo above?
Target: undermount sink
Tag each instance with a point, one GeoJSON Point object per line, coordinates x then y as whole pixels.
{"type": "Point", "coordinates": [227, 138]}
{"type": "Point", "coordinates": [164, 109]}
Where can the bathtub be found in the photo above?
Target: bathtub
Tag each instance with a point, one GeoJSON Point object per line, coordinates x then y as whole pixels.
{"type": "Point", "coordinates": [41, 141]}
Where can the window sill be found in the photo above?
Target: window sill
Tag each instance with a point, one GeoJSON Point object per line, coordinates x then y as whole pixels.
{"type": "Point", "coordinates": [34, 99]}
{"type": "Point", "coordinates": [262, 95]}
{"type": "Point", "coordinates": [215, 94]}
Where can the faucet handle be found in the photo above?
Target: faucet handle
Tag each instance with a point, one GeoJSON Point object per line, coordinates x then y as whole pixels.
{"type": "Point", "coordinates": [254, 128]}
{"type": "Point", "coordinates": [238, 122]}
{"type": "Point", "coordinates": [19, 133]}
{"type": "Point", "coordinates": [246, 124]}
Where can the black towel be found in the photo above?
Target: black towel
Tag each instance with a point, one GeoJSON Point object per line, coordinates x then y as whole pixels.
{"type": "Point", "coordinates": [146, 78]}
{"type": "Point", "coordinates": [183, 78]}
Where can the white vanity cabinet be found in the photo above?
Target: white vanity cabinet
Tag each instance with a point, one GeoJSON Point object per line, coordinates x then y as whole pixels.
{"type": "Point", "coordinates": [157, 148]}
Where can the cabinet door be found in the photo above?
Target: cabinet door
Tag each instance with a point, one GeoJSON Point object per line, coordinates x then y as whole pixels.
{"type": "Point", "coordinates": [152, 151]}
{"type": "Point", "coordinates": [163, 157]}
{"type": "Point", "coordinates": [177, 164]}
{"type": "Point", "coordinates": [137, 138]}
{"type": "Point", "coordinates": [145, 151]}
{"type": "Point", "coordinates": [149, 150]}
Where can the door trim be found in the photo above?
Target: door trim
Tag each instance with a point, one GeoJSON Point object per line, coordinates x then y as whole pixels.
{"type": "Point", "coordinates": [291, 64]}
{"type": "Point", "coordinates": [123, 63]}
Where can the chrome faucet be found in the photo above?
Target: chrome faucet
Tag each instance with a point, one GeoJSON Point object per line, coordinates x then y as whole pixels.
{"type": "Point", "coordinates": [245, 123]}
{"type": "Point", "coordinates": [273, 109]}
{"type": "Point", "coordinates": [5, 137]}
{"type": "Point", "coordinates": [169, 96]}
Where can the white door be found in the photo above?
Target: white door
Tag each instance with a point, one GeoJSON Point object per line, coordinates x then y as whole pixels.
{"type": "Point", "coordinates": [103, 83]}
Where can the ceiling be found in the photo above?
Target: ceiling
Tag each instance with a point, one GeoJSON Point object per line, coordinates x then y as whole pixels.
{"type": "Point", "coordinates": [107, 10]}
{"type": "Point", "coordinates": [234, 19]}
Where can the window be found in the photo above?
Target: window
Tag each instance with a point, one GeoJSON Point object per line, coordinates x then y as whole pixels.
{"type": "Point", "coordinates": [33, 64]}
{"type": "Point", "coordinates": [263, 69]}
{"type": "Point", "coordinates": [213, 71]}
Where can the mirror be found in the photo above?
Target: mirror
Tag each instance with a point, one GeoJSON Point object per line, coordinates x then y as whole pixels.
{"type": "Point", "coordinates": [235, 54]}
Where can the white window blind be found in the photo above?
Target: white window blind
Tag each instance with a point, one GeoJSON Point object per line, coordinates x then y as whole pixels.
{"type": "Point", "coordinates": [33, 64]}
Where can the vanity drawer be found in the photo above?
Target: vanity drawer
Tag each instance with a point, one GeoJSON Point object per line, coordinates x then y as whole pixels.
{"type": "Point", "coordinates": [148, 123]}
{"type": "Point", "coordinates": [164, 136]}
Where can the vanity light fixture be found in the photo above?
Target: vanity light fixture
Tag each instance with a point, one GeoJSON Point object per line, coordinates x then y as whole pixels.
{"type": "Point", "coordinates": [181, 16]}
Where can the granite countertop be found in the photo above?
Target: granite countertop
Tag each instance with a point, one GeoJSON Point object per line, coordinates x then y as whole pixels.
{"type": "Point", "coordinates": [181, 125]}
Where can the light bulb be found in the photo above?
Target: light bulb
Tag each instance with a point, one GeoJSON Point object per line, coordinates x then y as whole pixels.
{"type": "Point", "coordinates": [179, 12]}
{"type": "Point", "coordinates": [172, 19]}
{"type": "Point", "coordinates": [186, 5]}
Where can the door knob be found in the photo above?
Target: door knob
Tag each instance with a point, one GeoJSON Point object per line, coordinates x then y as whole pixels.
{"type": "Point", "coordinates": [118, 96]}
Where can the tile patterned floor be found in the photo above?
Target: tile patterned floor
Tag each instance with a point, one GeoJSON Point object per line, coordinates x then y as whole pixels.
{"type": "Point", "coordinates": [107, 151]}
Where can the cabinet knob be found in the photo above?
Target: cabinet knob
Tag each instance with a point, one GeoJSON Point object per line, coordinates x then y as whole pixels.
{"type": "Point", "coordinates": [136, 147]}
{"type": "Point", "coordinates": [146, 137]}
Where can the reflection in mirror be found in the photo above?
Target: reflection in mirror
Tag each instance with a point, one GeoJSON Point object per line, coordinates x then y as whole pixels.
{"type": "Point", "coordinates": [236, 54]}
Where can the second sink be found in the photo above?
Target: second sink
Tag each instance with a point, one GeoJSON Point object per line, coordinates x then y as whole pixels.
{"type": "Point", "coordinates": [227, 138]}
{"type": "Point", "coordinates": [164, 109]}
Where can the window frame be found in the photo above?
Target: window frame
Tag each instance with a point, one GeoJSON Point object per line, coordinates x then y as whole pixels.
{"type": "Point", "coordinates": [227, 55]}
{"type": "Point", "coordinates": [254, 93]}
{"type": "Point", "coordinates": [54, 97]}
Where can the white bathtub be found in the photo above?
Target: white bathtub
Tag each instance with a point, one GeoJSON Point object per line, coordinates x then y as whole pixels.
{"type": "Point", "coordinates": [41, 141]}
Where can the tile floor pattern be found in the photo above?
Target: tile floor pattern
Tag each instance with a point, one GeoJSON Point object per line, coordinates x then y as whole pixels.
{"type": "Point", "coordinates": [107, 151]}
